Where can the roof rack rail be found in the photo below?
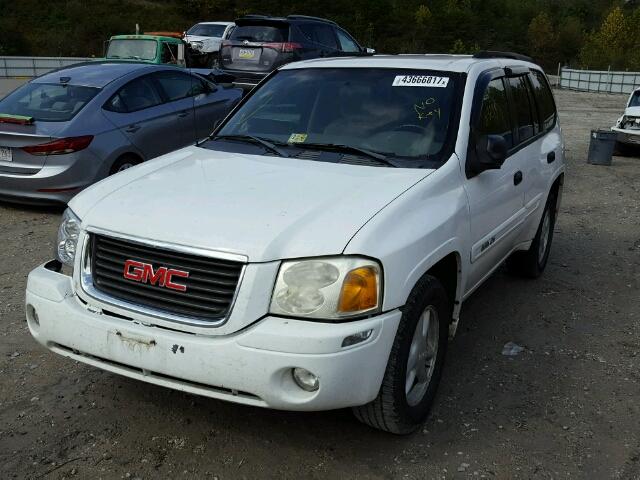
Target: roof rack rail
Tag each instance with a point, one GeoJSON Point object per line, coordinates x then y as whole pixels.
{"type": "Point", "coordinates": [307, 17]}
{"type": "Point", "coordinates": [484, 54]}
{"type": "Point", "coordinates": [255, 15]}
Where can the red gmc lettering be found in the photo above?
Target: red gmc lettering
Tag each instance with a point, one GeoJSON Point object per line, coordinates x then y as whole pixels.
{"type": "Point", "coordinates": [162, 276]}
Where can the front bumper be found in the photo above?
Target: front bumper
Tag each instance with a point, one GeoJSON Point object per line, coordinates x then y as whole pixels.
{"type": "Point", "coordinates": [252, 366]}
{"type": "Point", "coordinates": [630, 137]}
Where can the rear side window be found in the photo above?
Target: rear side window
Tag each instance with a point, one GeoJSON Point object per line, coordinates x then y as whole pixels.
{"type": "Point", "coordinates": [319, 34]}
{"type": "Point", "coordinates": [177, 85]}
{"type": "Point", "coordinates": [169, 53]}
{"type": "Point", "coordinates": [544, 99]}
{"type": "Point", "coordinates": [347, 44]}
{"type": "Point", "coordinates": [494, 116]}
{"type": "Point", "coordinates": [523, 108]}
{"type": "Point", "coordinates": [260, 33]}
{"type": "Point", "coordinates": [136, 95]}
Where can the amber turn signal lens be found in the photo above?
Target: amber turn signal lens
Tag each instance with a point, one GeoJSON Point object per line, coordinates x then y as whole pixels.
{"type": "Point", "coordinates": [359, 290]}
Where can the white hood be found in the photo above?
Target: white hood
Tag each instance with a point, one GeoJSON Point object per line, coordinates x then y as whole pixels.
{"type": "Point", "coordinates": [632, 112]}
{"type": "Point", "coordinates": [266, 208]}
{"type": "Point", "coordinates": [209, 44]}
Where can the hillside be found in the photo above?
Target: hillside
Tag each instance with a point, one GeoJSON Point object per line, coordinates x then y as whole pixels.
{"type": "Point", "coordinates": [567, 31]}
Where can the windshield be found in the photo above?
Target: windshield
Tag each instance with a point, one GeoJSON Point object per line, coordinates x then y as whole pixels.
{"type": "Point", "coordinates": [203, 30]}
{"type": "Point", "coordinates": [132, 49]}
{"type": "Point", "coordinates": [404, 114]}
{"type": "Point", "coordinates": [260, 33]}
{"type": "Point", "coordinates": [47, 102]}
{"type": "Point", "coordinates": [635, 99]}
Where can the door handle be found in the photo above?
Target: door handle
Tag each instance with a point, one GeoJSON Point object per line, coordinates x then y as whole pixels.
{"type": "Point", "coordinates": [517, 178]}
{"type": "Point", "coordinates": [551, 157]}
{"type": "Point", "coordinates": [132, 128]}
{"type": "Point", "coordinates": [183, 114]}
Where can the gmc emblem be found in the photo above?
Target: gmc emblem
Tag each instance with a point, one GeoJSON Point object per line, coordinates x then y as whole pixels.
{"type": "Point", "coordinates": [162, 276]}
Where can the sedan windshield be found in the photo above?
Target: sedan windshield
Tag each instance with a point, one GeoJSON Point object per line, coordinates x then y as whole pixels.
{"type": "Point", "coordinates": [132, 49]}
{"type": "Point", "coordinates": [404, 115]}
{"type": "Point", "coordinates": [204, 30]}
{"type": "Point", "coordinates": [47, 102]}
{"type": "Point", "coordinates": [635, 99]}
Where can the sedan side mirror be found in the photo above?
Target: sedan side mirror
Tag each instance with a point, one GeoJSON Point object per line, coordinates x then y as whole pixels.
{"type": "Point", "coordinates": [220, 77]}
{"type": "Point", "coordinates": [370, 51]}
{"type": "Point", "coordinates": [491, 152]}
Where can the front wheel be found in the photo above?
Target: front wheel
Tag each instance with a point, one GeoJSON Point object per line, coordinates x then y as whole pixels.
{"type": "Point", "coordinates": [123, 163]}
{"type": "Point", "coordinates": [415, 363]}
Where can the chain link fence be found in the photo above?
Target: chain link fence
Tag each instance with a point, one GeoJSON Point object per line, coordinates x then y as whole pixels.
{"type": "Point", "coordinates": [34, 66]}
{"type": "Point", "coordinates": [600, 81]}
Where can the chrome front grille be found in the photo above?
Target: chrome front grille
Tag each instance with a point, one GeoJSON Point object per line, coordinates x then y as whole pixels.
{"type": "Point", "coordinates": [138, 274]}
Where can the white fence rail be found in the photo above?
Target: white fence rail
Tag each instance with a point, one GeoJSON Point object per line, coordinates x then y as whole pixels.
{"type": "Point", "coordinates": [599, 81]}
{"type": "Point", "coordinates": [34, 66]}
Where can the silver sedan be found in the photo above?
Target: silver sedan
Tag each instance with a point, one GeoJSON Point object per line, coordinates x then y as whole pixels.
{"type": "Point", "coordinates": [65, 130]}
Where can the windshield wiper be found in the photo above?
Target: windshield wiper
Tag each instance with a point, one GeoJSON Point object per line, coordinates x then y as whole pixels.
{"type": "Point", "coordinates": [382, 158]}
{"type": "Point", "coordinates": [253, 139]}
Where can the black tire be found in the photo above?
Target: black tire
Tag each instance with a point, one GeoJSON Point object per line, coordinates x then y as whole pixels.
{"type": "Point", "coordinates": [124, 162]}
{"type": "Point", "coordinates": [391, 410]}
{"type": "Point", "coordinates": [531, 263]}
{"type": "Point", "coordinates": [625, 150]}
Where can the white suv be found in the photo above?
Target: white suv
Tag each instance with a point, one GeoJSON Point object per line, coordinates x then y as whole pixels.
{"type": "Point", "coordinates": [315, 252]}
{"type": "Point", "coordinates": [628, 126]}
{"type": "Point", "coordinates": [205, 39]}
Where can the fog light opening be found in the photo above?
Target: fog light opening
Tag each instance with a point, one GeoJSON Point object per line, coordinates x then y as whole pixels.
{"type": "Point", "coordinates": [305, 379]}
{"type": "Point", "coordinates": [32, 316]}
{"type": "Point", "coordinates": [356, 338]}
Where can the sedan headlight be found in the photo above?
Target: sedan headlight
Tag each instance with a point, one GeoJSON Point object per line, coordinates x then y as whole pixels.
{"type": "Point", "coordinates": [327, 288]}
{"type": "Point", "coordinates": [68, 237]}
{"type": "Point", "coordinates": [197, 45]}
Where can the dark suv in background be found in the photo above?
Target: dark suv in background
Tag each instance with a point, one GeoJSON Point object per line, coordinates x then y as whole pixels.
{"type": "Point", "coordinates": [259, 44]}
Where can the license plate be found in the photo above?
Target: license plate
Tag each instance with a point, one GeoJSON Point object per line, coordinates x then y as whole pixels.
{"type": "Point", "coordinates": [5, 154]}
{"type": "Point", "coordinates": [247, 54]}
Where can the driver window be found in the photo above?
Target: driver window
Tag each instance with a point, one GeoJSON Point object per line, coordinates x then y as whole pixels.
{"type": "Point", "coordinates": [169, 53]}
{"type": "Point", "coordinates": [494, 116]}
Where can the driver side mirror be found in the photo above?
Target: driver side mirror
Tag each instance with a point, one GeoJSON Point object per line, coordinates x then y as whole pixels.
{"type": "Point", "coordinates": [491, 152]}
{"type": "Point", "coordinates": [370, 51]}
{"type": "Point", "coordinates": [220, 77]}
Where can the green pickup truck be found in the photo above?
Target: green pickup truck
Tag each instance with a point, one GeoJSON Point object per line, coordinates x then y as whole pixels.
{"type": "Point", "coordinates": [158, 49]}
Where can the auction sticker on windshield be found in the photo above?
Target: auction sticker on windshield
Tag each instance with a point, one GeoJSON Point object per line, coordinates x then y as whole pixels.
{"type": "Point", "coordinates": [5, 154]}
{"type": "Point", "coordinates": [298, 138]}
{"type": "Point", "coordinates": [420, 81]}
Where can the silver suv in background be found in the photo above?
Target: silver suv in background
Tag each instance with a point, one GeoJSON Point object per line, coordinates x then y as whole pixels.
{"type": "Point", "coordinates": [259, 44]}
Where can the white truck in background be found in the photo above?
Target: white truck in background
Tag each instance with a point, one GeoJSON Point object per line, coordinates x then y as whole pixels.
{"type": "Point", "coordinates": [204, 40]}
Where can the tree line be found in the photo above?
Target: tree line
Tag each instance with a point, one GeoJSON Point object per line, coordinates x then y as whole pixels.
{"type": "Point", "coordinates": [595, 34]}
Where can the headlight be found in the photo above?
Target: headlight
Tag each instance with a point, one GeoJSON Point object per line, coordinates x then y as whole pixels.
{"type": "Point", "coordinates": [68, 237]}
{"type": "Point", "coordinates": [197, 45]}
{"type": "Point", "coordinates": [327, 288]}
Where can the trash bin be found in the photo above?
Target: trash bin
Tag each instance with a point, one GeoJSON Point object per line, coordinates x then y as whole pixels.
{"type": "Point", "coordinates": [601, 147]}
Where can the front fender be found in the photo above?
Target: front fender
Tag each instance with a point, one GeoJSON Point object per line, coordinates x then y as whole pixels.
{"type": "Point", "coordinates": [417, 230]}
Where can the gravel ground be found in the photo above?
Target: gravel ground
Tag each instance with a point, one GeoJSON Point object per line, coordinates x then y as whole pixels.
{"type": "Point", "coordinates": [566, 407]}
